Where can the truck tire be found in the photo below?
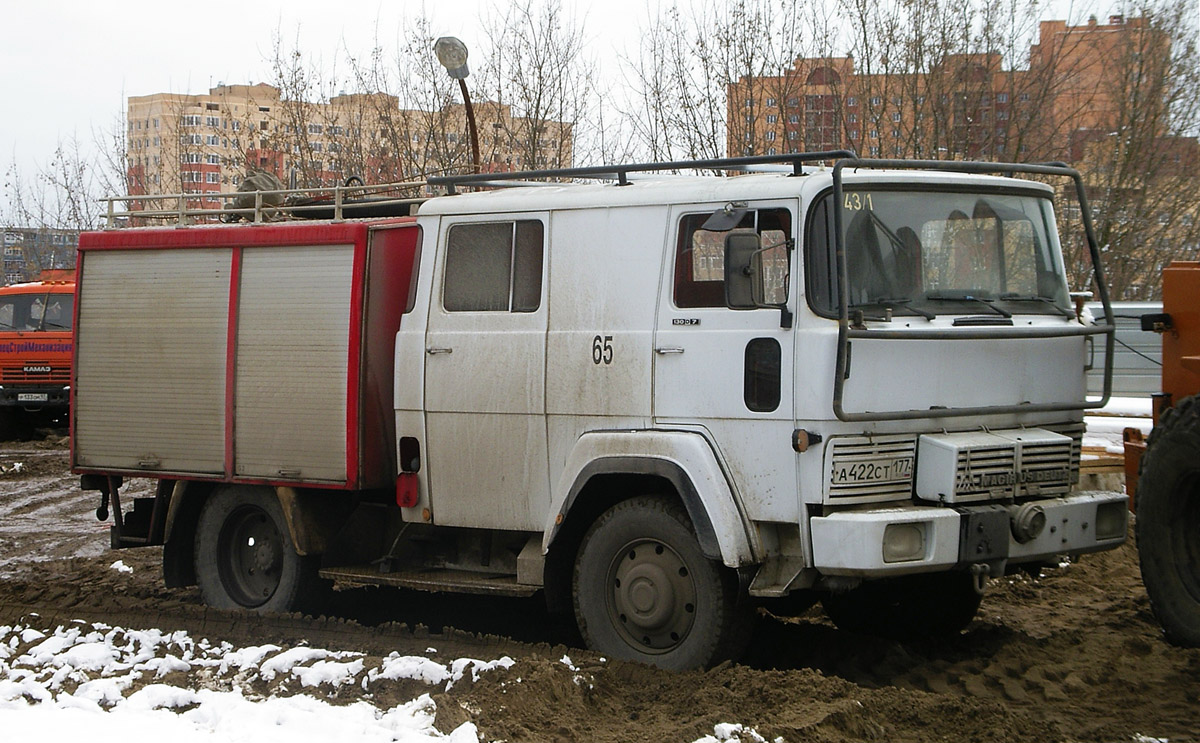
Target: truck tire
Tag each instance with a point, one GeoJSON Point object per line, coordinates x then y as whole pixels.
{"type": "Point", "coordinates": [245, 558]}
{"type": "Point", "coordinates": [645, 592]}
{"type": "Point", "coordinates": [909, 607]}
{"type": "Point", "coordinates": [1167, 525]}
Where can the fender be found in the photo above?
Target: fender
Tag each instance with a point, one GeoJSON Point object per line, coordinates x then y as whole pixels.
{"type": "Point", "coordinates": [687, 461]}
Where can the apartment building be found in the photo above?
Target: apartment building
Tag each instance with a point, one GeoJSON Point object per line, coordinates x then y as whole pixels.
{"type": "Point", "coordinates": [206, 143]}
{"type": "Point", "coordinates": [965, 106]}
{"type": "Point", "coordinates": [29, 251]}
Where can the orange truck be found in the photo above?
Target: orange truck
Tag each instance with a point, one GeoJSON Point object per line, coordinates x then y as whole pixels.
{"type": "Point", "coordinates": [1166, 489]}
{"type": "Point", "coordinates": [35, 352]}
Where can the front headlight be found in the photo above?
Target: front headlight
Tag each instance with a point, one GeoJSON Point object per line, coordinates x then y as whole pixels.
{"type": "Point", "coordinates": [904, 542]}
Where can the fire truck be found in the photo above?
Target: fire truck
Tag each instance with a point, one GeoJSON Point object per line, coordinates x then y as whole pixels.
{"type": "Point", "coordinates": [660, 399]}
{"type": "Point", "coordinates": [35, 352]}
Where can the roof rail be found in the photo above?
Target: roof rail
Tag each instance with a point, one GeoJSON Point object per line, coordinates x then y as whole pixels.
{"type": "Point", "coordinates": [621, 172]}
{"type": "Point", "coordinates": [335, 202]}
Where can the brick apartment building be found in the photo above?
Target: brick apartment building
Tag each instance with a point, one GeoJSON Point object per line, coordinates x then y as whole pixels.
{"type": "Point", "coordinates": [205, 143]}
{"type": "Point", "coordinates": [965, 106]}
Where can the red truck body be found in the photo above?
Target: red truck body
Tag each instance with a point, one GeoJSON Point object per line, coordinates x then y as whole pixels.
{"type": "Point", "coordinates": [262, 403]}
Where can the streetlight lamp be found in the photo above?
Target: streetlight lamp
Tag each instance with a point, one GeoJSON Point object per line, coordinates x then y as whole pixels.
{"type": "Point", "coordinates": [452, 53]}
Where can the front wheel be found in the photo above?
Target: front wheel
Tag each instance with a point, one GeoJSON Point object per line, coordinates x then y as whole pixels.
{"type": "Point", "coordinates": [645, 592]}
{"type": "Point", "coordinates": [908, 607]}
{"type": "Point", "coordinates": [245, 558]}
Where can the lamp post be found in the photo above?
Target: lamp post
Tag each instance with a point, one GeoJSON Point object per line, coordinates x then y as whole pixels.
{"type": "Point", "coordinates": [452, 53]}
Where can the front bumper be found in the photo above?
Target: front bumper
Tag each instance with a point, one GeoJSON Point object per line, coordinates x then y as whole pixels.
{"type": "Point", "coordinates": [34, 397]}
{"type": "Point", "coordinates": [855, 543]}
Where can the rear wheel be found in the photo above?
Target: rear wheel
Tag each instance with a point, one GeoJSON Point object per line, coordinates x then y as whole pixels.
{"type": "Point", "coordinates": [245, 558]}
{"type": "Point", "coordinates": [1168, 522]}
{"type": "Point", "coordinates": [644, 591]}
{"type": "Point", "coordinates": [907, 608]}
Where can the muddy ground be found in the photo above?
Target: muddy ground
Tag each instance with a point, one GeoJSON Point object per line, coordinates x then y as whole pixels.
{"type": "Point", "coordinates": [1074, 655]}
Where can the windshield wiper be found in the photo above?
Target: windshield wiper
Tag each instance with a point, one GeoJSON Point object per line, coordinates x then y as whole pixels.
{"type": "Point", "coordinates": [892, 303]}
{"type": "Point", "coordinates": [1036, 298]}
{"type": "Point", "coordinates": [936, 297]}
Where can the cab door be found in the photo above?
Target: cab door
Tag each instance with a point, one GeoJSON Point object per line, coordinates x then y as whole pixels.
{"type": "Point", "coordinates": [728, 372]}
{"type": "Point", "coordinates": [485, 362]}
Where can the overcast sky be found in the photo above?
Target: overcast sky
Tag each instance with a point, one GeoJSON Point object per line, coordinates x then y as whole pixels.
{"type": "Point", "coordinates": [66, 66]}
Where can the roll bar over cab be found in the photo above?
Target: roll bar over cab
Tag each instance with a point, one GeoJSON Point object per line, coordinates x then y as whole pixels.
{"type": "Point", "coordinates": [658, 399]}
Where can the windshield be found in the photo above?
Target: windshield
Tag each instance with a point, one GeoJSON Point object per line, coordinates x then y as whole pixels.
{"type": "Point", "coordinates": [928, 253]}
{"type": "Point", "coordinates": [34, 312]}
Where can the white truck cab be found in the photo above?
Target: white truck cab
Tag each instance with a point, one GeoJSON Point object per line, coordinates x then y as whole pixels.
{"type": "Point", "coordinates": [659, 399]}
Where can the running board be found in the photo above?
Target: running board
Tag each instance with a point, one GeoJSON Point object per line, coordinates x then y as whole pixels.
{"type": "Point", "coordinates": [432, 579]}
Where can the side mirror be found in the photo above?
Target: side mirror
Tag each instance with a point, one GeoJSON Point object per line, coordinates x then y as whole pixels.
{"type": "Point", "coordinates": [743, 270]}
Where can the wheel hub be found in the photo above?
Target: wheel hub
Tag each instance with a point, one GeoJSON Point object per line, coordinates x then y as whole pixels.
{"type": "Point", "coordinates": [251, 556]}
{"type": "Point", "coordinates": [653, 596]}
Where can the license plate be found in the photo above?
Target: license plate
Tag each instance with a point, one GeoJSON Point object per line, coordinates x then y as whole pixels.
{"type": "Point", "coordinates": [32, 397]}
{"type": "Point", "coordinates": [875, 470]}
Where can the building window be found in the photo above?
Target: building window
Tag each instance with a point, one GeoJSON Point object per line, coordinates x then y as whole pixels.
{"type": "Point", "coordinates": [214, 121]}
{"type": "Point", "coordinates": [1002, 98]}
{"type": "Point", "coordinates": [772, 151]}
{"type": "Point", "coordinates": [494, 267]}
{"type": "Point", "coordinates": [895, 116]}
{"type": "Point", "coordinates": [191, 120]}
{"type": "Point", "coordinates": [874, 134]}
{"type": "Point", "coordinates": [895, 134]}
{"type": "Point", "coordinates": [314, 128]}
{"type": "Point", "coordinates": [794, 119]}
{"type": "Point", "coordinates": [852, 118]}
{"type": "Point", "coordinates": [792, 134]}
{"type": "Point", "coordinates": [770, 136]}
{"type": "Point", "coordinates": [770, 101]}
{"type": "Point", "coordinates": [772, 119]}
{"type": "Point", "coordinates": [876, 100]}
{"type": "Point", "coordinates": [851, 101]}
{"type": "Point", "coordinates": [853, 134]}
{"type": "Point", "coordinates": [874, 152]}
{"type": "Point", "coordinates": [213, 140]}
{"type": "Point", "coordinates": [1023, 97]}
{"type": "Point", "coordinates": [212, 177]}
{"type": "Point", "coordinates": [212, 159]}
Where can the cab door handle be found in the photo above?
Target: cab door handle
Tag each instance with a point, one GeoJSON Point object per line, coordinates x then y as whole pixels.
{"type": "Point", "coordinates": [435, 351]}
{"type": "Point", "coordinates": [668, 349]}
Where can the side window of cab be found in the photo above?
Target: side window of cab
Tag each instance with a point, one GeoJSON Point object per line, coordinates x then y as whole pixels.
{"type": "Point", "coordinates": [700, 257]}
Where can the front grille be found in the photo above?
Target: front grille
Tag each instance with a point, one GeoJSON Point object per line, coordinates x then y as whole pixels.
{"type": "Point", "coordinates": [860, 454]}
{"type": "Point", "coordinates": [973, 466]}
{"type": "Point", "coordinates": [985, 472]}
{"type": "Point", "coordinates": [1045, 468]}
{"type": "Point", "coordinates": [17, 374]}
{"type": "Point", "coordinates": [1075, 432]}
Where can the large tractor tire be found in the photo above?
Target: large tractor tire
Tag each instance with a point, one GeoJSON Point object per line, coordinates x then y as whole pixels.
{"type": "Point", "coordinates": [645, 592]}
{"type": "Point", "coordinates": [245, 558]}
{"type": "Point", "coordinates": [1168, 522]}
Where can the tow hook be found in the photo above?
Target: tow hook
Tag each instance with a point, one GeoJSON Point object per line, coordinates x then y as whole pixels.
{"type": "Point", "coordinates": [979, 573]}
